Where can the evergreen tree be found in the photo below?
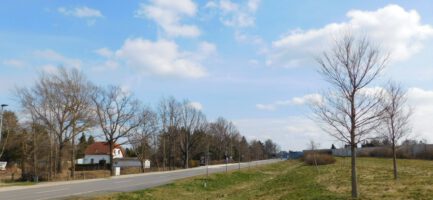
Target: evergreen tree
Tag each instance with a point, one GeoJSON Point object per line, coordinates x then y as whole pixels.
{"type": "Point", "coordinates": [90, 140]}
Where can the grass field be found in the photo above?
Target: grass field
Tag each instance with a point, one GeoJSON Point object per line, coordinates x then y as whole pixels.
{"type": "Point", "coordinates": [294, 180]}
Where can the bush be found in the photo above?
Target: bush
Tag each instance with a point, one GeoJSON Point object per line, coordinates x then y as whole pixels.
{"type": "Point", "coordinates": [381, 153]}
{"type": "Point", "coordinates": [193, 163]}
{"type": "Point", "coordinates": [319, 159]}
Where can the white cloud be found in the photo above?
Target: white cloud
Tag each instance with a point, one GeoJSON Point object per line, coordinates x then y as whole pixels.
{"type": "Point", "coordinates": [291, 133]}
{"type": "Point", "coordinates": [294, 132]}
{"type": "Point", "coordinates": [397, 30]}
{"type": "Point", "coordinates": [168, 15]}
{"type": "Point", "coordinates": [196, 105]}
{"type": "Point", "coordinates": [164, 58]}
{"type": "Point", "coordinates": [54, 58]}
{"type": "Point", "coordinates": [104, 52]}
{"type": "Point", "coordinates": [80, 12]}
{"type": "Point", "coordinates": [14, 63]}
{"type": "Point", "coordinates": [90, 14]}
{"type": "Point", "coordinates": [237, 15]}
{"type": "Point", "coordinates": [50, 69]}
{"type": "Point", "coordinates": [306, 99]}
{"type": "Point", "coordinates": [251, 39]}
{"type": "Point", "coordinates": [422, 102]}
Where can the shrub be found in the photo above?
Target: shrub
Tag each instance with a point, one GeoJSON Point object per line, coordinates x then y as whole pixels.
{"type": "Point", "coordinates": [319, 159]}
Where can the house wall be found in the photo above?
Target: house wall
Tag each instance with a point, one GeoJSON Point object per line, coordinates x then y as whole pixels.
{"type": "Point", "coordinates": [345, 152]}
{"type": "Point", "coordinates": [96, 159]}
{"type": "Point", "coordinates": [117, 153]}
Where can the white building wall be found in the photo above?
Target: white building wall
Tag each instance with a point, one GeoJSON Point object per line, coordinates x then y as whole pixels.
{"type": "Point", "coordinates": [96, 159]}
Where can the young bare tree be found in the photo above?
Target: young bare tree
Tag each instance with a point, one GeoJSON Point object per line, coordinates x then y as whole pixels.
{"type": "Point", "coordinates": [117, 115]}
{"type": "Point", "coordinates": [192, 121]}
{"type": "Point", "coordinates": [350, 113]}
{"type": "Point", "coordinates": [60, 101]}
{"type": "Point", "coordinates": [396, 117]}
{"type": "Point", "coordinates": [314, 146]}
{"type": "Point", "coordinates": [141, 138]}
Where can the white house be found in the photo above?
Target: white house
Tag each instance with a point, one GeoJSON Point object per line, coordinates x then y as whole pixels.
{"type": "Point", "coordinates": [100, 151]}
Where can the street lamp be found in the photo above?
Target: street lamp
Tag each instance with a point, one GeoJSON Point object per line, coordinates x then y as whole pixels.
{"type": "Point", "coordinates": [1, 119]}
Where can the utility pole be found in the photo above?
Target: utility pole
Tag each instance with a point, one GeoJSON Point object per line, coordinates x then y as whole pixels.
{"type": "Point", "coordinates": [1, 119]}
{"type": "Point", "coordinates": [239, 155]}
{"type": "Point", "coordinates": [207, 164]}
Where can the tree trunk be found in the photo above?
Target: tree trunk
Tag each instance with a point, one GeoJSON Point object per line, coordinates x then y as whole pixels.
{"type": "Point", "coordinates": [111, 158]}
{"type": "Point", "coordinates": [60, 158]}
{"type": "Point", "coordinates": [73, 157]}
{"type": "Point", "coordinates": [142, 165]}
{"type": "Point", "coordinates": [187, 151]}
{"type": "Point", "coordinates": [50, 159]}
{"type": "Point", "coordinates": [394, 160]}
{"type": "Point", "coordinates": [35, 163]}
{"type": "Point", "coordinates": [23, 161]}
{"type": "Point", "coordinates": [354, 177]}
{"type": "Point", "coordinates": [163, 152]}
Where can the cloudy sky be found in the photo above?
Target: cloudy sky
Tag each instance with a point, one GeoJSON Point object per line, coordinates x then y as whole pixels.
{"type": "Point", "coordinates": [250, 61]}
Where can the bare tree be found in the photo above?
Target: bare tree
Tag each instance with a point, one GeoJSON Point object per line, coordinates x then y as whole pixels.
{"type": "Point", "coordinates": [192, 121]}
{"type": "Point", "coordinates": [169, 111]}
{"type": "Point", "coordinates": [141, 138]}
{"type": "Point", "coordinates": [60, 101]}
{"type": "Point", "coordinates": [313, 145]}
{"type": "Point", "coordinates": [222, 132]}
{"type": "Point", "coordinates": [396, 117]}
{"type": "Point", "coordinates": [349, 112]}
{"type": "Point", "coordinates": [117, 115]}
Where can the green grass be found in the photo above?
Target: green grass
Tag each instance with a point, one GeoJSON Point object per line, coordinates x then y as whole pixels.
{"type": "Point", "coordinates": [294, 180]}
{"type": "Point", "coordinates": [15, 183]}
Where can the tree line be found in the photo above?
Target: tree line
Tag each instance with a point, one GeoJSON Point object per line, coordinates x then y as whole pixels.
{"type": "Point", "coordinates": [60, 107]}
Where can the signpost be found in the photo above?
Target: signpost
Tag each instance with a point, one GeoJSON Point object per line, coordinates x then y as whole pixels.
{"type": "Point", "coordinates": [147, 164]}
{"type": "Point", "coordinates": [3, 166]}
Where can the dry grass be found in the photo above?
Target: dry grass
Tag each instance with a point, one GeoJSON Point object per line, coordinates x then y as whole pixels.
{"type": "Point", "coordinates": [318, 159]}
{"type": "Point", "coordinates": [376, 178]}
{"type": "Point", "coordinates": [295, 180]}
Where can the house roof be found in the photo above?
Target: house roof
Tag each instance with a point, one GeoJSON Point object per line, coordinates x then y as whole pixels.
{"type": "Point", "coordinates": [101, 148]}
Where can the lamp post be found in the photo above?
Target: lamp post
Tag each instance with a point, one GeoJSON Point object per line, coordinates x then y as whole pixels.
{"type": "Point", "coordinates": [1, 119]}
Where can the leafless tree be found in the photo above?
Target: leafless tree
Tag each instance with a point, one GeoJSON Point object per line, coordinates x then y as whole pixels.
{"type": "Point", "coordinates": [117, 115]}
{"type": "Point", "coordinates": [313, 146]}
{"type": "Point", "coordinates": [192, 122]}
{"type": "Point", "coordinates": [396, 118]}
{"type": "Point", "coordinates": [141, 138]}
{"type": "Point", "coordinates": [349, 112]}
{"type": "Point", "coordinates": [169, 111]}
{"type": "Point", "coordinates": [60, 101]}
{"type": "Point", "coordinates": [222, 132]}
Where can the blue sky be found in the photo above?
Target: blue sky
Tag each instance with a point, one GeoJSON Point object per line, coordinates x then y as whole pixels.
{"type": "Point", "coordinates": [250, 61]}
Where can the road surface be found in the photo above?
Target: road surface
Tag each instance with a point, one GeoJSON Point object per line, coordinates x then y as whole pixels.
{"type": "Point", "coordinates": [126, 183]}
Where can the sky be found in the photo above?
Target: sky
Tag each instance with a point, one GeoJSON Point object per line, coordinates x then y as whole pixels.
{"type": "Point", "coordinates": [250, 61]}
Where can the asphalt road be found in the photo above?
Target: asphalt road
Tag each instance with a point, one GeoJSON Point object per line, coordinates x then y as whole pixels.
{"type": "Point", "coordinates": [61, 190]}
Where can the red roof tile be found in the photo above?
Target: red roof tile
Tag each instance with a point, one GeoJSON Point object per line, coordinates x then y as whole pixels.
{"type": "Point", "coordinates": [100, 148]}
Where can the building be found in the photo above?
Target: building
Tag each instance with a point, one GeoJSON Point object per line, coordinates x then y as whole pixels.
{"type": "Point", "coordinates": [99, 152]}
{"type": "Point", "coordinates": [295, 154]}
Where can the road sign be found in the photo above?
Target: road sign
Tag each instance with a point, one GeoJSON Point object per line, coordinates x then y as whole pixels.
{"type": "Point", "coordinates": [147, 164]}
{"type": "Point", "coordinates": [3, 165]}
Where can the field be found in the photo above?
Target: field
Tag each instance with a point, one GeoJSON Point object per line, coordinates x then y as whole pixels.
{"type": "Point", "coordinates": [294, 180]}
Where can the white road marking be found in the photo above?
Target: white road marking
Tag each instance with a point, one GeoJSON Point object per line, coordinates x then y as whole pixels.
{"type": "Point", "coordinates": [41, 192]}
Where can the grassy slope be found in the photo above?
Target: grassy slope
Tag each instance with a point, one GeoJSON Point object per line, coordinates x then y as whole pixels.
{"type": "Point", "coordinates": [293, 180]}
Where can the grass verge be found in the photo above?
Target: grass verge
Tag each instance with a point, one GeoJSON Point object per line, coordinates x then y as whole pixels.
{"type": "Point", "coordinates": [294, 180]}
